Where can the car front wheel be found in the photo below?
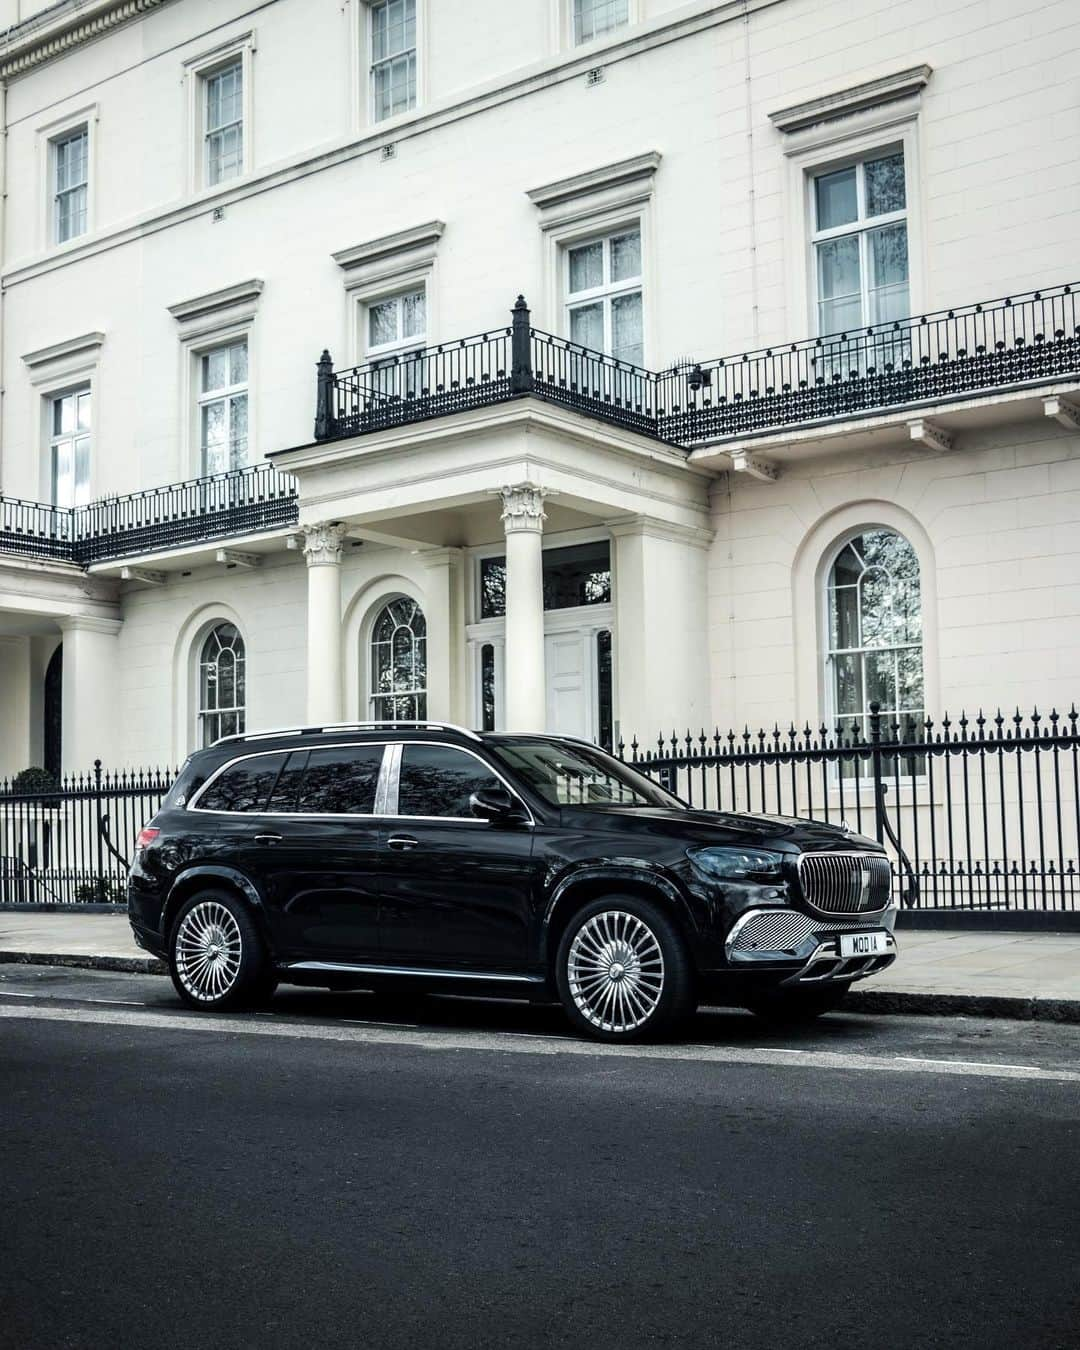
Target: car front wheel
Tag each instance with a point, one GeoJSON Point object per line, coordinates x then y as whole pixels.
{"type": "Point", "coordinates": [623, 971]}
{"type": "Point", "coordinates": [216, 956]}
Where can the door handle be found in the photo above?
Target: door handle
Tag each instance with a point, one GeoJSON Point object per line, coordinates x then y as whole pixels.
{"type": "Point", "coordinates": [402, 841]}
{"type": "Point", "coordinates": [268, 838]}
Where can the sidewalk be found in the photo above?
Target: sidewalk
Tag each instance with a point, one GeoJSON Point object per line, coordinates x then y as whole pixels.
{"type": "Point", "coordinates": [1022, 975]}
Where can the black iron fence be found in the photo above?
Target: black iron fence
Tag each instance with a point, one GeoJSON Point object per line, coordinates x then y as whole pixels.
{"type": "Point", "coordinates": [219, 506]}
{"type": "Point", "coordinates": [926, 359]}
{"type": "Point", "coordinates": [980, 813]}
{"type": "Point", "coordinates": [72, 845]}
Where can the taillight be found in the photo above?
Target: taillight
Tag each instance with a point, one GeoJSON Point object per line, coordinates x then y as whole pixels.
{"type": "Point", "coordinates": [147, 835]}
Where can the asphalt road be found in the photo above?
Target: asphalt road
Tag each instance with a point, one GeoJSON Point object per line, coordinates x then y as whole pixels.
{"type": "Point", "coordinates": [347, 1171]}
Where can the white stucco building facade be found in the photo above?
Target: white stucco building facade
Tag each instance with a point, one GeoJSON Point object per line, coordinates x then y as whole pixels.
{"type": "Point", "coordinates": [199, 198]}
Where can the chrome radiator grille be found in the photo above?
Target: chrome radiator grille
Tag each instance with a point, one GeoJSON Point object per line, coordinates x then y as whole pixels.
{"type": "Point", "coordinates": [782, 930]}
{"type": "Point", "coordinates": [845, 883]}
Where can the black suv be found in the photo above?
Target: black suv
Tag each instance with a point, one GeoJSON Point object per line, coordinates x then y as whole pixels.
{"type": "Point", "coordinates": [534, 866]}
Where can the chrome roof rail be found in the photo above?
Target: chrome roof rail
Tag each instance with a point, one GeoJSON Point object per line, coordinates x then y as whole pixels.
{"type": "Point", "coordinates": [330, 727]}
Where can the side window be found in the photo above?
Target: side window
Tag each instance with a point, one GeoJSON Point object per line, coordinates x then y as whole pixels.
{"type": "Point", "coordinates": [287, 789]}
{"type": "Point", "coordinates": [437, 780]}
{"type": "Point", "coordinates": [244, 787]}
{"type": "Point", "coordinates": [340, 781]}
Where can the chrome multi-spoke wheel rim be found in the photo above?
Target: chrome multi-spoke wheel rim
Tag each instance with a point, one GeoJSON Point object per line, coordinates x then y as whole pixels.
{"type": "Point", "coordinates": [208, 951]}
{"type": "Point", "coordinates": [615, 970]}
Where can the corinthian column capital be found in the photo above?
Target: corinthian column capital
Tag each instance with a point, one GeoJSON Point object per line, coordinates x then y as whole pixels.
{"type": "Point", "coordinates": [322, 543]}
{"type": "Point", "coordinates": [523, 508]}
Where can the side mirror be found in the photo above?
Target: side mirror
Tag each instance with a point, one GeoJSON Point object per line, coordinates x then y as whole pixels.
{"type": "Point", "coordinates": [496, 804]}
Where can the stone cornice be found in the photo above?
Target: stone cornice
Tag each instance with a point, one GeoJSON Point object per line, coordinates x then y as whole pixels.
{"type": "Point", "coordinates": [59, 351]}
{"type": "Point", "coordinates": [419, 237]}
{"type": "Point", "coordinates": [63, 27]}
{"type": "Point", "coordinates": [637, 172]}
{"type": "Point", "coordinates": [213, 302]}
{"type": "Point", "coordinates": [870, 94]}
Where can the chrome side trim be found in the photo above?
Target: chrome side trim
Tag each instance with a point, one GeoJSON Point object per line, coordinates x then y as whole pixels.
{"type": "Point", "coordinates": [365, 968]}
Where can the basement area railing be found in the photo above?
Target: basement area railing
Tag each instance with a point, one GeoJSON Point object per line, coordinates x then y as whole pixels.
{"type": "Point", "coordinates": [219, 506]}
{"type": "Point", "coordinates": [927, 359]}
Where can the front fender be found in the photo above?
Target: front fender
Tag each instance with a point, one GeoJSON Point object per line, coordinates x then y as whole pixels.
{"type": "Point", "coordinates": [616, 872]}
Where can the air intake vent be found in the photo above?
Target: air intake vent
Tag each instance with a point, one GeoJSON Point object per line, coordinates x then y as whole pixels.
{"type": "Point", "coordinates": [594, 76]}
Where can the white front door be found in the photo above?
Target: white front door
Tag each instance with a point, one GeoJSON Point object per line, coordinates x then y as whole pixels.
{"type": "Point", "coordinates": [569, 681]}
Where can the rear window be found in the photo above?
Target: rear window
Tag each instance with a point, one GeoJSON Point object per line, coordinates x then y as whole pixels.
{"type": "Point", "coordinates": [340, 781]}
{"type": "Point", "coordinates": [245, 786]}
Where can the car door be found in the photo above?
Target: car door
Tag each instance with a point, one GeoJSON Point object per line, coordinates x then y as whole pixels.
{"type": "Point", "coordinates": [319, 842]}
{"type": "Point", "coordinates": [456, 890]}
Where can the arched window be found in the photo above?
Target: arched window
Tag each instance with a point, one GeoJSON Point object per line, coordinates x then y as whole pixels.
{"type": "Point", "coordinates": [221, 684]}
{"type": "Point", "coordinates": [399, 663]}
{"type": "Point", "coordinates": [875, 633]}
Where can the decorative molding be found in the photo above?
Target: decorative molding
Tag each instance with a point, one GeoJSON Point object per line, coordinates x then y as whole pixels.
{"type": "Point", "coordinates": [930, 435]}
{"type": "Point", "coordinates": [89, 623]}
{"type": "Point", "coordinates": [754, 466]}
{"type": "Point", "coordinates": [62, 351]}
{"type": "Point", "coordinates": [148, 576]}
{"type": "Point", "coordinates": [322, 543]}
{"type": "Point", "coordinates": [1063, 410]}
{"type": "Point", "coordinates": [61, 28]}
{"type": "Point", "coordinates": [627, 182]}
{"type": "Point", "coordinates": [419, 242]}
{"type": "Point", "coordinates": [242, 293]}
{"type": "Point", "coordinates": [523, 508]}
{"type": "Point", "coordinates": [628, 526]}
{"type": "Point", "coordinates": [871, 94]}
{"type": "Point", "coordinates": [232, 558]}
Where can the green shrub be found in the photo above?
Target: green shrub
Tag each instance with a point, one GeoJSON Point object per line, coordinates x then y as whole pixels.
{"type": "Point", "coordinates": [34, 780]}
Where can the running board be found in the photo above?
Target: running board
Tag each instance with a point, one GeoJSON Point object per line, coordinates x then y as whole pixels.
{"type": "Point", "coordinates": [347, 968]}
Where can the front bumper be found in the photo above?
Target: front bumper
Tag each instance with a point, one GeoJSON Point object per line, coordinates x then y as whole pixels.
{"type": "Point", "coordinates": [791, 947]}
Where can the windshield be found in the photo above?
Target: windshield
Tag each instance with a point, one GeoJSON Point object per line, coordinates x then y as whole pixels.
{"type": "Point", "coordinates": [579, 775]}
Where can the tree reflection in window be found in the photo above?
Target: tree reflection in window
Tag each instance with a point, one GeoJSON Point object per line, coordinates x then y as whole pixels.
{"type": "Point", "coordinates": [399, 663]}
{"type": "Point", "coordinates": [221, 684]}
{"type": "Point", "coordinates": [875, 651]}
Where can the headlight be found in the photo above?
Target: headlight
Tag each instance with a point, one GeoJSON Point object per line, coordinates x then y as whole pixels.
{"type": "Point", "coordinates": [736, 864]}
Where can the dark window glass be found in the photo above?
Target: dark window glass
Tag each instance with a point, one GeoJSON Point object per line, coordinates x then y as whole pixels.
{"type": "Point", "coordinates": [244, 787]}
{"type": "Point", "coordinates": [286, 791]}
{"type": "Point", "coordinates": [437, 780]}
{"type": "Point", "coordinates": [341, 781]}
{"type": "Point", "coordinates": [487, 685]}
{"type": "Point", "coordinates": [579, 575]}
{"type": "Point", "coordinates": [603, 689]}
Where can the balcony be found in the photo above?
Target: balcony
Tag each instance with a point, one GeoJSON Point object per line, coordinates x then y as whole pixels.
{"type": "Point", "coordinates": [223, 506]}
{"type": "Point", "coordinates": [1011, 344]}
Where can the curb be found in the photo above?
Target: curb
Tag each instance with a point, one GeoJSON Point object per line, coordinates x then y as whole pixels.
{"type": "Point", "coordinates": [128, 965]}
{"type": "Point", "coordinates": [904, 1002]}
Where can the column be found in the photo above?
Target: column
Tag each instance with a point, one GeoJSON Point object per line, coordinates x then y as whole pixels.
{"type": "Point", "coordinates": [443, 612]}
{"type": "Point", "coordinates": [322, 552]}
{"type": "Point", "coordinates": [91, 696]}
{"type": "Point", "coordinates": [16, 702]}
{"type": "Point", "coordinates": [523, 520]}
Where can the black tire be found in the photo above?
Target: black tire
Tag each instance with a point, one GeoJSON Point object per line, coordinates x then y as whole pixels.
{"type": "Point", "coordinates": [217, 958]}
{"type": "Point", "coordinates": [661, 990]}
{"type": "Point", "coordinates": [797, 1007]}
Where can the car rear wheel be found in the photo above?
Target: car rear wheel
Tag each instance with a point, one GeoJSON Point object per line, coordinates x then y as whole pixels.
{"type": "Point", "coordinates": [792, 1007]}
{"type": "Point", "coordinates": [216, 956]}
{"type": "Point", "coordinates": [623, 971]}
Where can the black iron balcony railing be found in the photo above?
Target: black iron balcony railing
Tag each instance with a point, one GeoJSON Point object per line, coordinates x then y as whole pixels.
{"type": "Point", "coordinates": [935, 358]}
{"type": "Point", "coordinates": [221, 506]}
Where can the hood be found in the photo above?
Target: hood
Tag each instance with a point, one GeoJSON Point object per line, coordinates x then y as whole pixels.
{"type": "Point", "coordinates": [787, 834]}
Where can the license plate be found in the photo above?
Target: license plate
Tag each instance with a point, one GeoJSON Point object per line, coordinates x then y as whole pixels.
{"type": "Point", "coordinates": [875, 943]}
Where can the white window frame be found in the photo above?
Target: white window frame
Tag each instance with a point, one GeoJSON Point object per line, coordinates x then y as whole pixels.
{"type": "Point", "coordinates": [562, 23]}
{"type": "Point", "coordinates": [80, 132]}
{"type": "Point", "coordinates": [373, 695]}
{"type": "Point", "coordinates": [203, 714]}
{"type": "Point", "coordinates": [612, 34]}
{"type": "Point", "coordinates": [400, 344]}
{"type": "Point", "coordinates": [861, 228]}
{"type": "Point", "coordinates": [209, 132]}
{"type": "Point", "coordinates": [198, 70]}
{"type": "Point", "coordinates": [55, 439]}
{"type": "Point", "coordinates": [819, 150]}
{"type": "Point", "coordinates": [204, 398]}
{"type": "Point", "coordinates": [608, 291]}
{"type": "Point", "coordinates": [365, 48]}
{"type": "Point", "coordinates": [49, 136]}
{"type": "Point", "coordinates": [58, 370]}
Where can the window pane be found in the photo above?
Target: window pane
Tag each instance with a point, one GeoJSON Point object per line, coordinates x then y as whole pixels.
{"type": "Point", "coordinates": [604, 714]}
{"type": "Point", "coordinates": [285, 794]}
{"type": "Point", "coordinates": [487, 687]}
{"type": "Point", "coordinates": [844, 617]}
{"type": "Point", "coordinates": [224, 97]}
{"type": "Point", "coordinates": [492, 587]}
{"type": "Point", "coordinates": [885, 185]}
{"type": "Point", "coordinates": [413, 314]}
{"type": "Point", "coordinates": [849, 694]}
{"type": "Point", "coordinates": [244, 787]}
{"type": "Point", "coordinates": [587, 326]}
{"type": "Point", "coordinates": [876, 608]}
{"type": "Point", "coordinates": [840, 303]}
{"type": "Point", "coordinates": [215, 370]}
{"type": "Point", "coordinates": [910, 678]}
{"type": "Point", "coordinates": [437, 780]}
{"type": "Point", "coordinates": [64, 413]}
{"type": "Point", "coordinates": [238, 437]}
{"type": "Point", "coordinates": [214, 438]}
{"type": "Point", "coordinates": [578, 575]}
{"type": "Point", "coordinates": [888, 273]}
{"type": "Point", "coordinates": [238, 365]}
{"type": "Point", "coordinates": [836, 198]}
{"type": "Point", "coordinates": [626, 342]}
{"type": "Point", "coordinates": [626, 256]}
{"type": "Point", "coordinates": [83, 402]}
{"type": "Point", "coordinates": [382, 323]}
{"type": "Point", "coordinates": [224, 154]}
{"type": "Point", "coordinates": [881, 679]}
{"type": "Point", "coordinates": [82, 470]}
{"type": "Point", "coordinates": [586, 267]}
{"type": "Point", "coordinates": [341, 781]}
{"type": "Point", "coordinates": [595, 17]}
